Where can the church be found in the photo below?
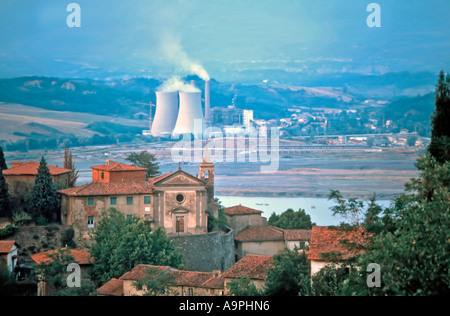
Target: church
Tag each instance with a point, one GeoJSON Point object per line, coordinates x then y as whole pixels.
{"type": "Point", "coordinates": [177, 201]}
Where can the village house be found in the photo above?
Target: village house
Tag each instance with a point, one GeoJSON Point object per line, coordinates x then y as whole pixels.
{"type": "Point", "coordinates": [328, 245]}
{"type": "Point", "coordinates": [241, 217]}
{"type": "Point", "coordinates": [177, 201]}
{"type": "Point", "coordinates": [21, 178]}
{"type": "Point", "coordinates": [269, 240]}
{"type": "Point", "coordinates": [82, 258]}
{"type": "Point", "coordinates": [8, 254]}
{"type": "Point", "coordinates": [191, 283]}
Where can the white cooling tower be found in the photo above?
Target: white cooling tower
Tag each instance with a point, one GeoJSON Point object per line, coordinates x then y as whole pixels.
{"type": "Point", "coordinates": [166, 113]}
{"type": "Point", "coordinates": [190, 116]}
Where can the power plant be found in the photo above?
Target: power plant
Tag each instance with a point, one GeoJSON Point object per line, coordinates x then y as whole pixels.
{"type": "Point", "coordinates": [179, 113]}
{"type": "Point", "coordinates": [166, 114]}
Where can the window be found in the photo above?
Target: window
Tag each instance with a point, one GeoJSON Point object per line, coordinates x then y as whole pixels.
{"type": "Point", "coordinates": [103, 175]}
{"type": "Point", "coordinates": [113, 200]}
{"type": "Point", "coordinates": [302, 245]}
{"type": "Point", "coordinates": [190, 292]}
{"type": "Point", "coordinates": [90, 201]}
{"type": "Point", "coordinates": [90, 223]}
{"type": "Point", "coordinates": [180, 198]}
{"type": "Point", "coordinates": [129, 200]}
{"type": "Point", "coordinates": [147, 200]}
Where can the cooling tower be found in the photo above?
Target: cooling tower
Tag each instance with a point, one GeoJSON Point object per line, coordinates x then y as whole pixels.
{"type": "Point", "coordinates": [207, 103]}
{"type": "Point", "coordinates": [190, 116]}
{"type": "Point", "coordinates": [166, 113]}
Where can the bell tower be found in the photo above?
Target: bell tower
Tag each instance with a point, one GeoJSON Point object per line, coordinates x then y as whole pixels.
{"type": "Point", "coordinates": [207, 175]}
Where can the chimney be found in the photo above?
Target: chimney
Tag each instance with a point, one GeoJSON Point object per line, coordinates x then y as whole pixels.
{"type": "Point", "coordinates": [108, 162]}
{"type": "Point", "coordinates": [207, 103]}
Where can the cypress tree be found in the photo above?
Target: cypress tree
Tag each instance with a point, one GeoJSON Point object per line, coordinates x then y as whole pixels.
{"type": "Point", "coordinates": [68, 164]}
{"type": "Point", "coordinates": [44, 199]}
{"type": "Point", "coordinates": [440, 136]}
{"type": "Point", "coordinates": [3, 165]}
{"type": "Point", "coordinates": [5, 200]}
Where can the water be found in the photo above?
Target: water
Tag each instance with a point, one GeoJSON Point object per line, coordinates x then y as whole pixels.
{"type": "Point", "coordinates": [317, 208]}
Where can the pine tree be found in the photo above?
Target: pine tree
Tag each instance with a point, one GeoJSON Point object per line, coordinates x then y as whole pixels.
{"type": "Point", "coordinates": [68, 164]}
{"type": "Point", "coordinates": [440, 135]}
{"type": "Point", "coordinates": [3, 165]}
{"type": "Point", "coordinates": [5, 200]}
{"type": "Point", "coordinates": [44, 199]}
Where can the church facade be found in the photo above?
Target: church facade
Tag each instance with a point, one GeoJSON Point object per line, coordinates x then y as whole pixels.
{"type": "Point", "coordinates": [177, 201]}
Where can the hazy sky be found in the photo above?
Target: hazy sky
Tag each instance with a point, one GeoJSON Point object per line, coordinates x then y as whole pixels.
{"type": "Point", "coordinates": [224, 37]}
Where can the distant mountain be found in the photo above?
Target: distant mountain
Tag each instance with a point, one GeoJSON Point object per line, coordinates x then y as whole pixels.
{"type": "Point", "coordinates": [269, 99]}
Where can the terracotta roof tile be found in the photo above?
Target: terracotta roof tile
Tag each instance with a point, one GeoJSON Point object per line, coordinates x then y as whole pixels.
{"type": "Point", "coordinates": [82, 257]}
{"type": "Point", "coordinates": [112, 288]}
{"type": "Point", "coordinates": [252, 266]}
{"type": "Point", "coordinates": [31, 168]}
{"type": "Point", "coordinates": [241, 210]}
{"type": "Point", "coordinates": [138, 272]}
{"type": "Point", "coordinates": [326, 240]}
{"type": "Point", "coordinates": [260, 233]}
{"type": "Point", "coordinates": [97, 188]}
{"type": "Point", "coordinates": [6, 246]}
{"type": "Point", "coordinates": [117, 167]}
{"type": "Point", "coordinates": [297, 234]}
{"type": "Point", "coordinates": [191, 278]}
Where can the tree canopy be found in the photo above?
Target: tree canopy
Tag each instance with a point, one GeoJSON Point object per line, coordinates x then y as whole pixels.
{"type": "Point", "coordinates": [291, 220]}
{"type": "Point", "coordinates": [144, 159]}
{"type": "Point", "coordinates": [120, 244]}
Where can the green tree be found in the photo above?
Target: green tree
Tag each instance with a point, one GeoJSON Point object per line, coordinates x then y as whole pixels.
{"type": "Point", "coordinates": [440, 135]}
{"type": "Point", "coordinates": [120, 244]}
{"type": "Point", "coordinates": [414, 256]}
{"type": "Point", "coordinates": [291, 220]}
{"type": "Point", "coordinates": [144, 159]}
{"type": "Point", "coordinates": [3, 165]}
{"type": "Point", "coordinates": [69, 164]}
{"type": "Point", "coordinates": [5, 199]}
{"type": "Point", "coordinates": [54, 273]}
{"type": "Point", "coordinates": [44, 199]}
{"type": "Point", "coordinates": [330, 280]}
{"type": "Point", "coordinates": [289, 275]}
{"type": "Point", "coordinates": [155, 282]}
{"type": "Point", "coordinates": [243, 287]}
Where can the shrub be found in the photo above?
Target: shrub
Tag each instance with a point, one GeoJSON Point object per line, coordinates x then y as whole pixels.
{"type": "Point", "coordinates": [21, 218]}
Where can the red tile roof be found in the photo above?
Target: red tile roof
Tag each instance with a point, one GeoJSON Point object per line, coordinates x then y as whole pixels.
{"type": "Point", "coordinates": [241, 210]}
{"type": "Point", "coordinates": [112, 288]}
{"type": "Point", "coordinates": [191, 278]}
{"type": "Point", "coordinates": [117, 167]}
{"type": "Point", "coordinates": [326, 240]}
{"type": "Point", "coordinates": [97, 188]}
{"type": "Point", "coordinates": [252, 266]}
{"type": "Point", "coordinates": [31, 168]}
{"type": "Point", "coordinates": [82, 257]}
{"type": "Point", "coordinates": [260, 233]}
{"type": "Point", "coordinates": [6, 246]}
{"type": "Point", "coordinates": [161, 177]}
{"type": "Point", "coordinates": [297, 234]}
{"type": "Point", "coordinates": [138, 272]}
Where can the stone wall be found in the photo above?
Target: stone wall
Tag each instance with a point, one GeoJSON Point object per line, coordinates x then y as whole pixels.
{"type": "Point", "coordinates": [207, 252]}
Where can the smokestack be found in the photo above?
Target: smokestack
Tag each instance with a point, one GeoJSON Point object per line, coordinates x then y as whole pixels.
{"type": "Point", "coordinates": [190, 116]}
{"type": "Point", "coordinates": [207, 103]}
{"type": "Point", "coordinates": [166, 113]}
{"type": "Point", "coordinates": [193, 83]}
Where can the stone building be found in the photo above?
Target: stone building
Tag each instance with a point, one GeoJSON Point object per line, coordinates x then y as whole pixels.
{"type": "Point", "coordinates": [177, 201]}
{"type": "Point", "coordinates": [21, 177]}
{"type": "Point", "coordinates": [269, 240]}
{"type": "Point", "coordinates": [241, 217]}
